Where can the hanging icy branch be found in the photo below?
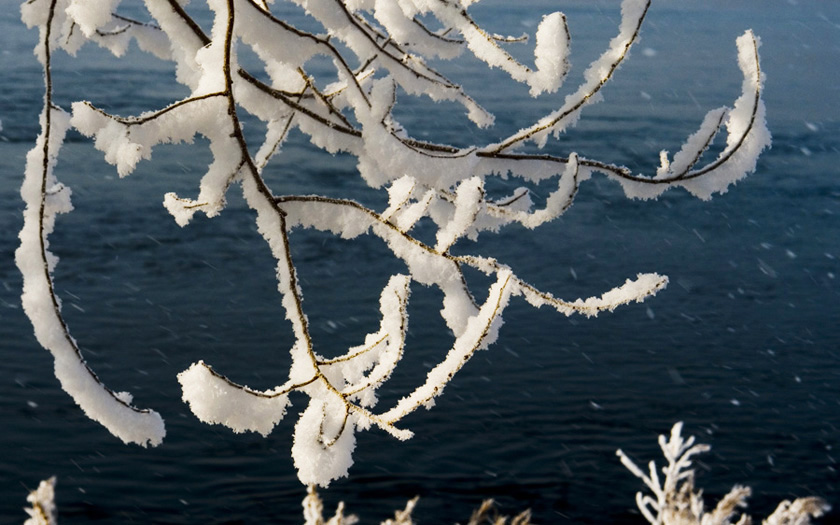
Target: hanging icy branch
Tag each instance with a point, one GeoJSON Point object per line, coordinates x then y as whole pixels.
{"type": "Point", "coordinates": [747, 137]}
{"type": "Point", "coordinates": [46, 198]}
{"type": "Point", "coordinates": [378, 51]}
{"type": "Point", "coordinates": [596, 76]}
{"type": "Point", "coordinates": [551, 51]}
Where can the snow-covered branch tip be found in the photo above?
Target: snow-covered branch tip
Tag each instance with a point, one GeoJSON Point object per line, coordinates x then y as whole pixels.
{"type": "Point", "coordinates": [675, 500]}
{"type": "Point", "coordinates": [379, 51]}
{"type": "Point", "coordinates": [42, 500]}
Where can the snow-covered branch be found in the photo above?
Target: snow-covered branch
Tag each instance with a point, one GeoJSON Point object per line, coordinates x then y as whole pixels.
{"type": "Point", "coordinates": [379, 50]}
{"type": "Point", "coordinates": [677, 502]}
{"type": "Point", "coordinates": [42, 499]}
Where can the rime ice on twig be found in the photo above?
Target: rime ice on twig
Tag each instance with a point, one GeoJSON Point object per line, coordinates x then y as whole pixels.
{"type": "Point", "coordinates": [677, 502]}
{"type": "Point", "coordinates": [45, 199]}
{"type": "Point", "coordinates": [378, 50]}
{"type": "Point", "coordinates": [488, 514]}
{"type": "Point", "coordinates": [797, 512]}
{"type": "Point", "coordinates": [42, 499]}
{"type": "Point", "coordinates": [313, 513]}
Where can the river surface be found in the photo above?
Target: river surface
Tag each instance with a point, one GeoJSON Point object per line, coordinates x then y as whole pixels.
{"type": "Point", "coordinates": [743, 345]}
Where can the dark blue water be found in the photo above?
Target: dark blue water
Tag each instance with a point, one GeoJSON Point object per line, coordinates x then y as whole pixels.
{"type": "Point", "coordinates": [744, 345]}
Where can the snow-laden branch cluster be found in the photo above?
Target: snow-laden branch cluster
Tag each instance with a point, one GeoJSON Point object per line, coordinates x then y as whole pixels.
{"type": "Point", "coordinates": [378, 48]}
{"type": "Point", "coordinates": [675, 501]}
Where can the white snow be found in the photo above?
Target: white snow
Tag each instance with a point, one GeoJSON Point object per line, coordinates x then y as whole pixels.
{"type": "Point", "coordinates": [214, 400]}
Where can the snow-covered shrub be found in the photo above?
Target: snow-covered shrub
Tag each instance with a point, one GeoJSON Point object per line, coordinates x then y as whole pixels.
{"type": "Point", "coordinates": [675, 501]}
{"type": "Point", "coordinates": [378, 49]}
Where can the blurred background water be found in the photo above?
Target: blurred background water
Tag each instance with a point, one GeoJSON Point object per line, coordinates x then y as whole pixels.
{"type": "Point", "coordinates": [744, 344]}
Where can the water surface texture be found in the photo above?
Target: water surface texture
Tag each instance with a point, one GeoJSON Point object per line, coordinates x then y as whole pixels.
{"type": "Point", "coordinates": [743, 345]}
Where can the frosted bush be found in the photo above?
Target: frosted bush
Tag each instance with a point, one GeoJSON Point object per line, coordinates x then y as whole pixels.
{"type": "Point", "coordinates": [380, 50]}
{"type": "Point", "coordinates": [675, 501]}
